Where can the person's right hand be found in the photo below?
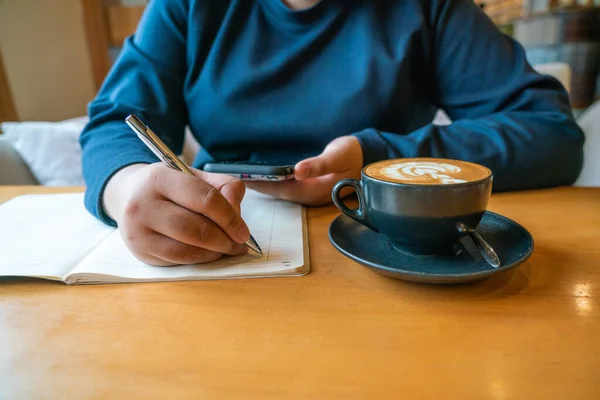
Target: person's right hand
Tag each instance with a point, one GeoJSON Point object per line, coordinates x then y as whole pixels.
{"type": "Point", "coordinates": [167, 217]}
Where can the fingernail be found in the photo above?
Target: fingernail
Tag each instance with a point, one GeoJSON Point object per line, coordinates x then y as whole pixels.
{"type": "Point", "coordinates": [243, 233]}
{"type": "Point", "coordinates": [302, 173]}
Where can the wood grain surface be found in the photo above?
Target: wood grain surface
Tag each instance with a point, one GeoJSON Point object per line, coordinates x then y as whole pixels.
{"type": "Point", "coordinates": [341, 332]}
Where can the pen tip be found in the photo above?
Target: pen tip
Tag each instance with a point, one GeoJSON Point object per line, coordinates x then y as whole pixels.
{"type": "Point", "coordinates": [251, 243]}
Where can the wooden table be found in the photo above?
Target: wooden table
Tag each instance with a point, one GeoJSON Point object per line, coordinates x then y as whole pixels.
{"type": "Point", "coordinates": [340, 332]}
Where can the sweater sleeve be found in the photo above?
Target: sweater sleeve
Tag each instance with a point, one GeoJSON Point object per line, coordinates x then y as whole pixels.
{"type": "Point", "coordinates": [505, 116]}
{"type": "Point", "coordinates": [146, 79]}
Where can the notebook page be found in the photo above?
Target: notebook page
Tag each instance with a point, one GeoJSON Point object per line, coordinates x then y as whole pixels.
{"type": "Point", "coordinates": [46, 235]}
{"type": "Point", "coordinates": [277, 226]}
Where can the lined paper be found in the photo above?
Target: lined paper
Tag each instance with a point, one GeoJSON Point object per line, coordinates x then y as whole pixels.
{"type": "Point", "coordinates": [47, 235]}
{"type": "Point", "coordinates": [277, 226]}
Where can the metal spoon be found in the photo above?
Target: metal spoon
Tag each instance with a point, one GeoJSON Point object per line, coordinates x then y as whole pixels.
{"type": "Point", "coordinates": [486, 250]}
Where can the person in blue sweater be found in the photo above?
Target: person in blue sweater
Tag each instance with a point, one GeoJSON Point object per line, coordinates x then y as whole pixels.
{"type": "Point", "coordinates": [329, 86]}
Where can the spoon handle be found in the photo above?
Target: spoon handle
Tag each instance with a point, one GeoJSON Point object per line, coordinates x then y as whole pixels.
{"type": "Point", "coordinates": [486, 250]}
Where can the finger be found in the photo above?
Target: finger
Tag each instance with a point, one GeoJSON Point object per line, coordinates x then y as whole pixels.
{"type": "Point", "coordinates": [155, 261]}
{"type": "Point", "coordinates": [188, 227]}
{"type": "Point", "coordinates": [234, 192]}
{"type": "Point", "coordinates": [171, 252]}
{"type": "Point", "coordinates": [231, 188]}
{"type": "Point", "coordinates": [332, 160]}
{"type": "Point", "coordinates": [201, 197]}
{"type": "Point", "coordinates": [308, 168]}
{"type": "Point", "coordinates": [314, 191]}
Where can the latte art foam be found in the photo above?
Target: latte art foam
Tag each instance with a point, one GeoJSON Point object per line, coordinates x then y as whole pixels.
{"type": "Point", "coordinates": [419, 171]}
{"type": "Point", "coordinates": [427, 171]}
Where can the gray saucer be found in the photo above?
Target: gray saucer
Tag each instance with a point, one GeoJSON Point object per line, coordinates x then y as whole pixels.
{"type": "Point", "coordinates": [512, 243]}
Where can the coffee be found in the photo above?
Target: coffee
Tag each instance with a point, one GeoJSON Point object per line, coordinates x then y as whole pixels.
{"type": "Point", "coordinates": [419, 204]}
{"type": "Point", "coordinates": [427, 171]}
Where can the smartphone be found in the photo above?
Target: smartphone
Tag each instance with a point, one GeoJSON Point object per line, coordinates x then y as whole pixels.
{"type": "Point", "coordinates": [252, 171]}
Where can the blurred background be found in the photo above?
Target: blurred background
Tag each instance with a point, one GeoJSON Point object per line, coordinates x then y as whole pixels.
{"type": "Point", "coordinates": [555, 32]}
{"type": "Point", "coordinates": [55, 53]}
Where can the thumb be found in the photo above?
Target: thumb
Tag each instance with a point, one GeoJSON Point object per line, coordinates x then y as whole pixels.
{"type": "Point", "coordinates": [330, 161]}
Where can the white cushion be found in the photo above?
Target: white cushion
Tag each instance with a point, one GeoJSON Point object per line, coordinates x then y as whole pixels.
{"type": "Point", "coordinates": [50, 149]}
{"type": "Point", "coordinates": [589, 122]}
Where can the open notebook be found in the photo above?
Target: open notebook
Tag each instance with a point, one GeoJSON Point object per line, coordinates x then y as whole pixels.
{"type": "Point", "coordinates": [52, 236]}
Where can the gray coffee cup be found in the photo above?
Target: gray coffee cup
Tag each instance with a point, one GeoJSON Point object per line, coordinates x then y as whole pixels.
{"type": "Point", "coordinates": [421, 219]}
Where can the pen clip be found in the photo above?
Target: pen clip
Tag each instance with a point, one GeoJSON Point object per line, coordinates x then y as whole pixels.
{"type": "Point", "coordinates": [155, 144]}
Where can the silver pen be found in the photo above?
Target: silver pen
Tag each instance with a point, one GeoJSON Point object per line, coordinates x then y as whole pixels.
{"type": "Point", "coordinates": [165, 154]}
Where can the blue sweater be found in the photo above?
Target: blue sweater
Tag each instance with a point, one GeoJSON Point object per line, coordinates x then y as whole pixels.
{"type": "Point", "coordinates": [255, 80]}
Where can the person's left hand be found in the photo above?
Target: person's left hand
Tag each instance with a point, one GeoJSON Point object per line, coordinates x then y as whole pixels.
{"type": "Point", "coordinates": [316, 176]}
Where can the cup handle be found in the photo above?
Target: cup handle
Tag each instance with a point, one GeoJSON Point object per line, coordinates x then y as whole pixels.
{"type": "Point", "coordinates": [358, 215]}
